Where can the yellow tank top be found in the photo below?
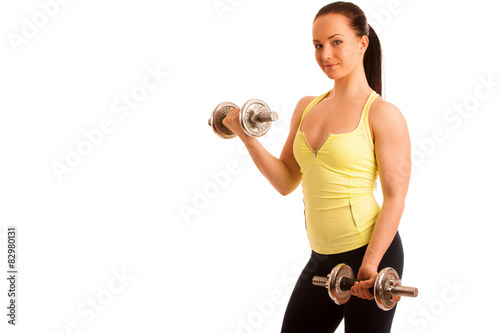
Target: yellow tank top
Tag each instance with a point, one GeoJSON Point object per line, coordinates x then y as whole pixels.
{"type": "Point", "coordinates": [338, 180]}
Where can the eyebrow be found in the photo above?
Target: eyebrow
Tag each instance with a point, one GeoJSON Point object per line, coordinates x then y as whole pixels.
{"type": "Point", "coordinates": [314, 40]}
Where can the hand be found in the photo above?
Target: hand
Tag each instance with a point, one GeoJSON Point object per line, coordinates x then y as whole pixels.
{"type": "Point", "coordinates": [360, 289]}
{"type": "Point", "coordinates": [232, 121]}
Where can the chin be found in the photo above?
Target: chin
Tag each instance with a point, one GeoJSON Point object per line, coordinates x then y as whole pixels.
{"type": "Point", "coordinates": [332, 76]}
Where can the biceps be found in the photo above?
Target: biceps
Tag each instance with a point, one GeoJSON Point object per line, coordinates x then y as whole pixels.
{"type": "Point", "coordinates": [288, 158]}
{"type": "Point", "coordinates": [393, 152]}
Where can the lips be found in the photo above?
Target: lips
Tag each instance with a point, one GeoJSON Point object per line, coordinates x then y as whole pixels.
{"type": "Point", "coordinates": [329, 66]}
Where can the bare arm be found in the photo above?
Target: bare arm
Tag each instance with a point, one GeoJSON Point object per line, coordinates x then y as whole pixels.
{"type": "Point", "coordinates": [283, 173]}
{"type": "Point", "coordinates": [393, 154]}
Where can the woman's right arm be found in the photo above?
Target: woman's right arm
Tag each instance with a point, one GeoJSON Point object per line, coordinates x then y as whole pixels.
{"type": "Point", "coordinates": [283, 173]}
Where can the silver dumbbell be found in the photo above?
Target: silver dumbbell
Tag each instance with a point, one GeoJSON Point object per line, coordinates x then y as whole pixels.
{"type": "Point", "coordinates": [387, 285]}
{"type": "Point", "coordinates": [255, 117]}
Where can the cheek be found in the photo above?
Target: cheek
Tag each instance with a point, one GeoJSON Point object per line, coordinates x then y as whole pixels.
{"type": "Point", "coordinates": [319, 57]}
{"type": "Point", "coordinates": [348, 51]}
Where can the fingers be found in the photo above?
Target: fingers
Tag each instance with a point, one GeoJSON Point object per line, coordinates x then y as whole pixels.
{"type": "Point", "coordinates": [232, 119]}
{"type": "Point", "coordinates": [234, 112]}
{"type": "Point", "coordinates": [229, 116]}
{"type": "Point", "coordinates": [360, 289]}
{"type": "Point", "coordinates": [355, 290]}
{"type": "Point", "coordinates": [367, 285]}
{"type": "Point", "coordinates": [362, 292]}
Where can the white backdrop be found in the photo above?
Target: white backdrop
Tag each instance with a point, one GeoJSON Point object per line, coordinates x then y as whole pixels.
{"type": "Point", "coordinates": [133, 216]}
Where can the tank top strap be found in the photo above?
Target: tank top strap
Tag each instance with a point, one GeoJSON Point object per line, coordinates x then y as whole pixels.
{"type": "Point", "coordinates": [311, 105]}
{"type": "Point", "coordinates": [365, 125]}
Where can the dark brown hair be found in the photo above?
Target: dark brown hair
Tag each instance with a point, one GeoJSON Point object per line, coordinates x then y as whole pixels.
{"type": "Point", "coordinates": [372, 60]}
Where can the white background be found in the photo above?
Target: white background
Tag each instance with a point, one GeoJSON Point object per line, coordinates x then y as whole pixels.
{"type": "Point", "coordinates": [217, 269]}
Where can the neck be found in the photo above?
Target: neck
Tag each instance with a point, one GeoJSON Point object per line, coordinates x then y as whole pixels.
{"type": "Point", "coordinates": [351, 85]}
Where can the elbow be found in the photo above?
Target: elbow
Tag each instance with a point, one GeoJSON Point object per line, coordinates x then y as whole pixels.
{"type": "Point", "coordinates": [395, 196]}
{"type": "Point", "coordinates": [284, 190]}
{"type": "Point", "coordinates": [398, 202]}
{"type": "Point", "coordinates": [289, 184]}
{"type": "Point", "coordinates": [398, 198]}
{"type": "Point", "coordinates": [287, 190]}
{"type": "Point", "coordinates": [284, 193]}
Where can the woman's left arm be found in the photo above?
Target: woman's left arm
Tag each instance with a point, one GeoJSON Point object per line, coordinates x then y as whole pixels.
{"type": "Point", "coordinates": [393, 154]}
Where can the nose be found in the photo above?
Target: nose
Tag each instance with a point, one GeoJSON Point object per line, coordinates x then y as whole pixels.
{"type": "Point", "coordinates": [327, 53]}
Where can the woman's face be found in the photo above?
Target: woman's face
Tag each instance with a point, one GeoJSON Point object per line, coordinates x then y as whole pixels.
{"type": "Point", "coordinates": [338, 51]}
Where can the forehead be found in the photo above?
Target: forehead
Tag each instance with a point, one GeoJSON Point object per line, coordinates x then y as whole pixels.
{"type": "Point", "coordinates": [330, 24]}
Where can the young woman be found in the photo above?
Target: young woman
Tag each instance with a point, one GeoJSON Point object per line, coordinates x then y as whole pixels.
{"type": "Point", "coordinates": [338, 143]}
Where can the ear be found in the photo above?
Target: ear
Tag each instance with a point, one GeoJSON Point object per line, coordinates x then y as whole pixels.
{"type": "Point", "coordinates": [363, 44]}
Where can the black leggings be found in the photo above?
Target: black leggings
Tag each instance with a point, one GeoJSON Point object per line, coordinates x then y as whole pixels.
{"type": "Point", "coordinates": [311, 310]}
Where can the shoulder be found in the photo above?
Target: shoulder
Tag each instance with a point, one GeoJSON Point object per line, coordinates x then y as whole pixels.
{"type": "Point", "coordinates": [301, 106]}
{"type": "Point", "coordinates": [385, 116]}
{"type": "Point", "coordinates": [304, 101]}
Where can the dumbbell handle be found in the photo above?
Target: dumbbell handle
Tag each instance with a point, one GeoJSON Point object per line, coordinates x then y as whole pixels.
{"type": "Point", "coordinates": [265, 117]}
{"type": "Point", "coordinates": [262, 117]}
{"type": "Point", "coordinates": [346, 284]}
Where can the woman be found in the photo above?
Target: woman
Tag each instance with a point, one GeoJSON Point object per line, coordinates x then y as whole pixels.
{"type": "Point", "coordinates": [338, 142]}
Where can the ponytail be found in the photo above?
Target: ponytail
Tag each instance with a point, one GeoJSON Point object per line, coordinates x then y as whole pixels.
{"type": "Point", "coordinates": [372, 62]}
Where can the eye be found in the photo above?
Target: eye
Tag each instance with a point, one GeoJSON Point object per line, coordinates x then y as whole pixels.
{"type": "Point", "coordinates": [318, 46]}
{"type": "Point", "coordinates": [335, 42]}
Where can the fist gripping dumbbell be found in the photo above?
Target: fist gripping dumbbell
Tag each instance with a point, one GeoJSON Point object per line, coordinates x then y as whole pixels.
{"type": "Point", "coordinates": [387, 285]}
{"type": "Point", "coordinates": [255, 118]}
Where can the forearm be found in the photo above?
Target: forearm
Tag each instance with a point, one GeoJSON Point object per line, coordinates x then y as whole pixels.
{"type": "Point", "coordinates": [272, 168]}
{"type": "Point", "coordinates": [385, 229]}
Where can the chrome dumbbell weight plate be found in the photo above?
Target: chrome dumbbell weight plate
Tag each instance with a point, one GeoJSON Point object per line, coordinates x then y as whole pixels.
{"type": "Point", "coordinates": [219, 113]}
{"type": "Point", "coordinates": [386, 288]}
{"type": "Point", "coordinates": [338, 295]}
{"type": "Point", "coordinates": [386, 280]}
{"type": "Point", "coordinates": [256, 117]}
